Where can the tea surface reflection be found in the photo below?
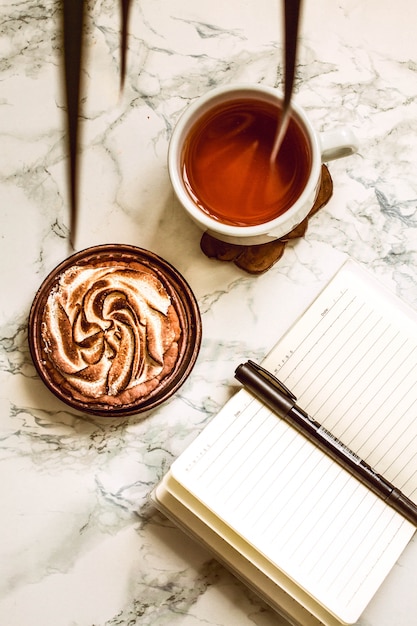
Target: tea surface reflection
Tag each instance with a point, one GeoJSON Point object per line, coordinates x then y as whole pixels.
{"type": "Point", "coordinates": [226, 163]}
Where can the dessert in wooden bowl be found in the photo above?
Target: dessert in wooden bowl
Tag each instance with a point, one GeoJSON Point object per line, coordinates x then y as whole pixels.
{"type": "Point", "coordinates": [114, 330]}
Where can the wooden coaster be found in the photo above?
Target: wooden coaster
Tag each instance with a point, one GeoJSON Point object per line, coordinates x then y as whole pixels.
{"type": "Point", "coordinates": [258, 259]}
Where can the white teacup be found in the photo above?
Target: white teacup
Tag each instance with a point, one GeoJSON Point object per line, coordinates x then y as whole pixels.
{"type": "Point", "coordinates": [206, 166]}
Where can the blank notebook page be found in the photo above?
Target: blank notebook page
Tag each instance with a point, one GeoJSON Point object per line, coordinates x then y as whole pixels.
{"type": "Point", "coordinates": [308, 516]}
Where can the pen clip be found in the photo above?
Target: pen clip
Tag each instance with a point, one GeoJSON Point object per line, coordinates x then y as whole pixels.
{"type": "Point", "coordinates": [273, 380]}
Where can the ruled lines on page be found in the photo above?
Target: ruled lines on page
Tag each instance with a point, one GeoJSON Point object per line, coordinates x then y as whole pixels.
{"type": "Point", "coordinates": [291, 502]}
{"type": "Point", "coordinates": [353, 367]}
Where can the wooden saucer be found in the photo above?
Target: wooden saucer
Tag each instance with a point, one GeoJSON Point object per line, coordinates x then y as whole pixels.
{"type": "Point", "coordinates": [258, 259]}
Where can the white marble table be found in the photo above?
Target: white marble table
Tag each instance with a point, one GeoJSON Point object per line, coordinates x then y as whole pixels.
{"type": "Point", "coordinates": [80, 543]}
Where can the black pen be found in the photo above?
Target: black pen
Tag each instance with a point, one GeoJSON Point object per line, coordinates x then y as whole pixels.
{"type": "Point", "coordinates": [274, 394]}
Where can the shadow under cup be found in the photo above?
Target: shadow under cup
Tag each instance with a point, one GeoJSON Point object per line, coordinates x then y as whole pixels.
{"type": "Point", "coordinates": [226, 162]}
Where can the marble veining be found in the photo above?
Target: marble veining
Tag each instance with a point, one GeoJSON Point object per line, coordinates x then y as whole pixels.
{"type": "Point", "coordinates": [80, 543]}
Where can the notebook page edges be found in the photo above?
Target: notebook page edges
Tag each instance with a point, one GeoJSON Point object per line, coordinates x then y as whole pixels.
{"type": "Point", "coordinates": [351, 360]}
{"type": "Point", "coordinates": [193, 518]}
{"type": "Point", "coordinates": [300, 510]}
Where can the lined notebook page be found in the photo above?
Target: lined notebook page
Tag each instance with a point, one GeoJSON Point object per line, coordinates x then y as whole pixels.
{"type": "Point", "coordinates": [304, 513]}
{"type": "Point", "coordinates": [352, 362]}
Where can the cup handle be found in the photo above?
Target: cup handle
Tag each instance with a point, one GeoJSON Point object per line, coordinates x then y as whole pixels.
{"type": "Point", "coordinates": [338, 143]}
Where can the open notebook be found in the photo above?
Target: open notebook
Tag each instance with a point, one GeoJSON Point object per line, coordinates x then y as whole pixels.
{"type": "Point", "coordinates": [303, 532]}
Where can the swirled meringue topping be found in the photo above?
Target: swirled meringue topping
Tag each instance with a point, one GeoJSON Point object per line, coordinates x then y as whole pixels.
{"type": "Point", "coordinates": [110, 331]}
